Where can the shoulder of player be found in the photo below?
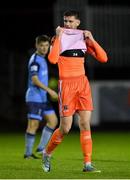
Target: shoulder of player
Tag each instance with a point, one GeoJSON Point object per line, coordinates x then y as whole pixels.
{"type": "Point", "coordinates": [36, 59]}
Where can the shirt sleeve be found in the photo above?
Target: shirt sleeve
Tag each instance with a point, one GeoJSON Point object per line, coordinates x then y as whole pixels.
{"type": "Point", "coordinates": [54, 53]}
{"type": "Point", "coordinates": [96, 51]}
{"type": "Point", "coordinates": [34, 68]}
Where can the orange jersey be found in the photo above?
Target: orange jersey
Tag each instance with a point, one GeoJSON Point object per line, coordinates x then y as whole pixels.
{"type": "Point", "coordinates": [74, 66]}
{"type": "Point", "coordinates": [70, 67]}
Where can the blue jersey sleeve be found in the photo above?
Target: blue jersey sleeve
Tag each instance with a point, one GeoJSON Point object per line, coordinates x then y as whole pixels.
{"type": "Point", "coordinates": [34, 68]}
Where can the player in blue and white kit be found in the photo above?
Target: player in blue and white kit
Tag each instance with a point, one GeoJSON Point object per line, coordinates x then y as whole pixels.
{"type": "Point", "coordinates": [36, 98]}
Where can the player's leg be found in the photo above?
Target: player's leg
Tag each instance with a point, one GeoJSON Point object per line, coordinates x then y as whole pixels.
{"type": "Point", "coordinates": [48, 130]}
{"type": "Point", "coordinates": [30, 137]}
{"type": "Point", "coordinates": [66, 110]}
{"type": "Point", "coordinates": [86, 140]}
{"type": "Point", "coordinates": [85, 106]}
{"type": "Point", "coordinates": [56, 139]}
{"type": "Point", "coordinates": [85, 135]}
{"type": "Point", "coordinates": [34, 118]}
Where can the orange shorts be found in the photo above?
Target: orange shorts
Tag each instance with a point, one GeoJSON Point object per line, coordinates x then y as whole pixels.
{"type": "Point", "coordinates": [74, 95]}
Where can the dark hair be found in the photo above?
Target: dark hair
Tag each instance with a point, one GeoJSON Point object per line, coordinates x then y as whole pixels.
{"type": "Point", "coordinates": [72, 13]}
{"type": "Point", "coordinates": [42, 38]}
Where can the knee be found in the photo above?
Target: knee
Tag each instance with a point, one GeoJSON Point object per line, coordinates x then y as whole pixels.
{"type": "Point", "coordinates": [84, 125]}
{"type": "Point", "coordinates": [65, 130]}
{"type": "Point", "coordinates": [52, 123]}
{"type": "Point", "coordinates": [32, 128]}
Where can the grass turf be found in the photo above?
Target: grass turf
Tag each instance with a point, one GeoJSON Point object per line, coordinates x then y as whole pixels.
{"type": "Point", "coordinates": [111, 154]}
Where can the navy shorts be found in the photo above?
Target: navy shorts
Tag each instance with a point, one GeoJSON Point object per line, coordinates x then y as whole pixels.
{"type": "Point", "coordinates": [37, 110]}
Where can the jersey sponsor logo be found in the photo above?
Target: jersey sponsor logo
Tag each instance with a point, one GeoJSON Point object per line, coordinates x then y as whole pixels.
{"type": "Point", "coordinates": [34, 68]}
{"type": "Point", "coordinates": [75, 54]}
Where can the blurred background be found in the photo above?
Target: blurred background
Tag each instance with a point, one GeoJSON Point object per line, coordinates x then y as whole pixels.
{"type": "Point", "coordinates": [109, 23]}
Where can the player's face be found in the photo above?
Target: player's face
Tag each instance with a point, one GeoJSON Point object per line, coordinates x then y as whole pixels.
{"type": "Point", "coordinates": [71, 22]}
{"type": "Point", "coordinates": [43, 47]}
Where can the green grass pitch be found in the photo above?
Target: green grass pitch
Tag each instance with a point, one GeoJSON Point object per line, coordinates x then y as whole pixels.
{"type": "Point", "coordinates": [111, 154]}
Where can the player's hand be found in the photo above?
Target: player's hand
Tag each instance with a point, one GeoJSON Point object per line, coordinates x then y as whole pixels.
{"type": "Point", "coordinates": [88, 35]}
{"type": "Point", "coordinates": [53, 94]}
{"type": "Point", "coordinates": [59, 31]}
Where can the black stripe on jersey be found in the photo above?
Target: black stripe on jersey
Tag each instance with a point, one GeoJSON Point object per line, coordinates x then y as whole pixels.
{"type": "Point", "coordinates": [35, 58]}
{"type": "Point", "coordinates": [73, 53]}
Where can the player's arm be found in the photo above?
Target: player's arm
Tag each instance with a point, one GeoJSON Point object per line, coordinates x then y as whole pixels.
{"type": "Point", "coordinates": [34, 69]}
{"type": "Point", "coordinates": [38, 83]}
{"type": "Point", "coordinates": [94, 48]}
{"type": "Point", "coordinates": [54, 53]}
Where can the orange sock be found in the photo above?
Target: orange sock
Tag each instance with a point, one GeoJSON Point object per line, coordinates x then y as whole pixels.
{"type": "Point", "coordinates": [86, 144]}
{"type": "Point", "coordinates": [55, 140]}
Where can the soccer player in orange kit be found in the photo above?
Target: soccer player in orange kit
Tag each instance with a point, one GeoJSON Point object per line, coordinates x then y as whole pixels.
{"type": "Point", "coordinates": [74, 88]}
